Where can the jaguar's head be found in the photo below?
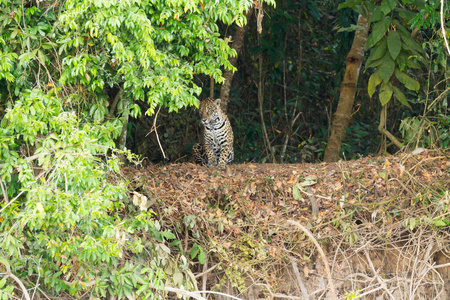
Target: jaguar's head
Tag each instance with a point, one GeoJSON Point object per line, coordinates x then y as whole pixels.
{"type": "Point", "coordinates": [210, 112]}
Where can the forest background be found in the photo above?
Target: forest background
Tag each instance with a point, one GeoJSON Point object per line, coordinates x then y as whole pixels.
{"type": "Point", "coordinates": [88, 85]}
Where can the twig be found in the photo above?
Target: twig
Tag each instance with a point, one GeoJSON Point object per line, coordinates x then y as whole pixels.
{"type": "Point", "coordinates": [5, 194]}
{"type": "Point", "coordinates": [440, 97]}
{"type": "Point", "coordinates": [33, 157]}
{"type": "Point", "coordinates": [16, 279]}
{"type": "Point", "coordinates": [288, 135]}
{"type": "Point", "coordinates": [207, 271]}
{"type": "Point", "coordinates": [324, 259]}
{"type": "Point", "coordinates": [154, 128]}
{"type": "Point", "coordinates": [45, 295]}
{"type": "Point", "coordinates": [441, 266]}
{"type": "Point", "coordinates": [277, 295]}
{"type": "Point", "coordinates": [205, 275]}
{"type": "Point", "coordinates": [299, 279]}
{"type": "Point", "coordinates": [314, 195]}
{"type": "Point", "coordinates": [383, 284]}
{"type": "Point", "coordinates": [214, 293]}
{"type": "Point", "coordinates": [425, 159]}
{"type": "Point", "coordinates": [190, 294]}
{"type": "Point", "coordinates": [404, 186]}
{"type": "Point", "coordinates": [23, 191]}
{"type": "Point", "coordinates": [442, 27]}
{"type": "Point", "coordinates": [15, 198]}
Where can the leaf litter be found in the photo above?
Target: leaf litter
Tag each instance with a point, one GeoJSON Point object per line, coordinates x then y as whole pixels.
{"type": "Point", "coordinates": [239, 216]}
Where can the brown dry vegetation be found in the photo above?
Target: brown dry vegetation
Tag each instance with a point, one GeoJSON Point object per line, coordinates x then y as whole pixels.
{"type": "Point", "coordinates": [377, 221]}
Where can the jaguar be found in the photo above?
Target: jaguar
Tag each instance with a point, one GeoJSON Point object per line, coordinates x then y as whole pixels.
{"type": "Point", "coordinates": [216, 148]}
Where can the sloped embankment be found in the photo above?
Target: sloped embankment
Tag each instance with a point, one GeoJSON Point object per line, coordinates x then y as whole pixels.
{"type": "Point", "coordinates": [383, 223]}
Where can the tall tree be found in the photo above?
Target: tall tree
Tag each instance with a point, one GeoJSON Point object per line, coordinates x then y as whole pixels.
{"type": "Point", "coordinates": [228, 74]}
{"type": "Point", "coordinates": [393, 52]}
{"type": "Point", "coordinates": [342, 116]}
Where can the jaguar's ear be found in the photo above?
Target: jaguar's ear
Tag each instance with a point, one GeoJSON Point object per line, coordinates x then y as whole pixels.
{"type": "Point", "coordinates": [217, 101]}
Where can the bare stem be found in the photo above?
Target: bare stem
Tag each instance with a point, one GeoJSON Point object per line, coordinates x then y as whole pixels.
{"type": "Point", "coordinates": [443, 28]}
{"type": "Point", "coordinates": [324, 259]}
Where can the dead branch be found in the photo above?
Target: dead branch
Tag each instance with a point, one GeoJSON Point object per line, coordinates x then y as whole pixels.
{"type": "Point", "coordinates": [444, 33]}
{"type": "Point", "coordinates": [299, 279]}
{"type": "Point", "coordinates": [324, 258]}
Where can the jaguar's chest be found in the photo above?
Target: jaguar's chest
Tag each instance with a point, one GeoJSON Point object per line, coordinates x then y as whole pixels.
{"type": "Point", "coordinates": [216, 135]}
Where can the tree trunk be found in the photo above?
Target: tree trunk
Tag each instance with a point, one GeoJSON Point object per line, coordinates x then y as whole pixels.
{"type": "Point", "coordinates": [343, 112]}
{"type": "Point", "coordinates": [238, 43]}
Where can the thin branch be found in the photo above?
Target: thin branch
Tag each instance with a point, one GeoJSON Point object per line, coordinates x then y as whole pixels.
{"type": "Point", "coordinates": [299, 279]}
{"type": "Point", "coordinates": [375, 273]}
{"type": "Point", "coordinates": [114, 103]}
{"type": "Point", "coordinates": [441, 266]}
{"type": "Point", "coordinates": [185, 293]}
{"type": "Point", "coordinates": [15, 198]}
{"type": "Point", "coordinates": [5, 193]}
{"type": "Point", "coordinates": [443, 28]}
{"type": "Point", "coordinates": [154, 128]}
{"type": "Point", "coordinates": [33, 157]}
{"type": "Point", "coordinates": [207, 271]}
{"type": "Point", "coordinates": [324, 258]}
{"type": "Point", "coordinates": [288, 135]}
{"type": "Point", "coordinates": [214, 293]}
{"type": "Point", "coordinates": [382, 128]}
{"type": "Point", "coordinates": [19, 282]}
{"type": "Point", "coordinates": [205, 275]}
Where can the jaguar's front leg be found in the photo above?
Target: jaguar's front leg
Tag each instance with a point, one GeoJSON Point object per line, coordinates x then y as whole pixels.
{"type": "Point", "coordinates": [210, 154]}
{"type": "Point", "coordinates": [226, 150]}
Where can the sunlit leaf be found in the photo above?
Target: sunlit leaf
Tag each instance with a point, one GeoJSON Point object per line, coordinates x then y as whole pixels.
{"type": "Point", "coordinates": [374, 80]}
{"type": "Point", "coordinates": [385, 93]}
{"type": "Point", "coordinates": [409, 82]}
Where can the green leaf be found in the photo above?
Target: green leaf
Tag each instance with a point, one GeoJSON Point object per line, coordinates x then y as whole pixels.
{"type": "Point", "coordinates": [386, 93]}
{"type": "Point", "coordinates": [439, 222]}
{"type": "Point", "coordinates": [394, 43]}
{"type": "Point", "coordinates": [352, 28]}
{"type": "Point", "coordinates": [4, 262]}
{"type": "Point", "coordinates": [387, 68]}
{"type": "Point", "coordinates": [308, 181]}
{"type": "Point", "coordinates": [2, 283]}
{"type": "Point", "coordinates": [168, 235]}
{"type": "Point", "coordinates": [378, 32]}
{"type": "Point", "coordinates": [410, 83]}
{"type": "Point", "coordinates": [405, 13]}
{"type": "Point", "coordinates": [401, 97]}
{"type": "Point", "coordinates": [201, 256]}
{"type": "Point", "coordinates": [388, 5]}
{"type": "Point", "coordinates": [194, 250]}
{"type": "Point", "coordinates": [296, 192]}
{"type": "Point", "coordinates": [374, 80]}
{"type": "Point", "coordinates": [177, 278]}
{"type": "Point", "coordinates": [376, 53]}
{"type": "Point", "coordinates": [349, 4]}
{"type": "Point", "coordinates": [377, 15]}
{"type": "Point", "coordinates": [383, 174]}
